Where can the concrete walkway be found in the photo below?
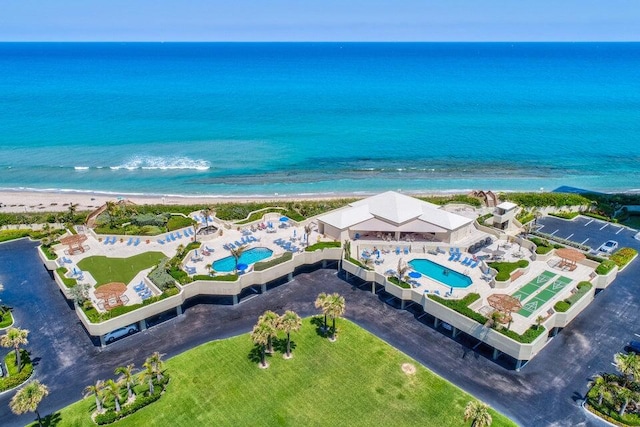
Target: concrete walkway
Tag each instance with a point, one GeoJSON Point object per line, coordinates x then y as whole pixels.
{"type": "Point", "coordinates": [547, 392]}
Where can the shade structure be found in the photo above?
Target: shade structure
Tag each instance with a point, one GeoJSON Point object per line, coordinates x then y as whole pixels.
{"type": "Point", "coordinates": [74, 242]}
{"type": "Point", "coordinates": [415, 275]}
{"type": "Point", "coordinates": [111, 293]}
{"type": "Point", "coordinates": [242, 266]}
{"type": "Point", "coordinates": [571, 255]}
{"type": "Point", "coordinates": [504, 303]}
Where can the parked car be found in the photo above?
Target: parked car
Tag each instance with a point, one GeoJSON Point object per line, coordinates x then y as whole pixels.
{"type": "Point", "coordinates": [634, 346]}
{"type": "Point", "coordinates": [119, 333]}
{"type": "Point", "coordinates": [609, 246]}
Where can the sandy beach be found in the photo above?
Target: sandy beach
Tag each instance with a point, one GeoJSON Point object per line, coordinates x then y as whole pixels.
{"type": "Point", "coordinates": [41, 201]}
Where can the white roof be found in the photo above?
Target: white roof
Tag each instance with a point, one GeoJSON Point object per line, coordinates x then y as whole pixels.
{"type": "Point", "coordinates": [395, 210]}
{"type": "Point", "coordinates": [506, 206]}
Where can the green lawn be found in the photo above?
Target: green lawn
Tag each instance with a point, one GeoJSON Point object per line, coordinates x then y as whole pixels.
{"type": "Point", "coordinates": [106, 270]}
{"type": "Point", "coordinates": [356, 381]}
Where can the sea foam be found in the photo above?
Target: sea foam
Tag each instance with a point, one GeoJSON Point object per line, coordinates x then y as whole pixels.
{"type": "Point", "coordinates": [163, 163]}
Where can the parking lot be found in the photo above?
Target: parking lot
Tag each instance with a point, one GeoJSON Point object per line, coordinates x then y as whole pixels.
{"type": "Point", "coordinates": [588, 231]}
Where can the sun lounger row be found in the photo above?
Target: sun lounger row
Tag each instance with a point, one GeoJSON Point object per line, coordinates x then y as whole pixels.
{"type": "Point", "coordinates": [110, 240]}
{"type": "Point", "coordinates": [143, 291]}
{"type": "Point", "coordinates": [66, 260]}
{"type": "Point", "coordinates": [406, 251]}
{"type": "Point", "coordinates": [286, 245]}
{"type": "Point", "coordinates": [189, 269]}
{"type": "Point", "coordinates": [437, 292]}
{"type": "Point", "coordinates": [133, 241]}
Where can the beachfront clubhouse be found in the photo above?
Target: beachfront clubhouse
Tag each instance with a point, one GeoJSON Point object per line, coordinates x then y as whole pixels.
{"type": "Point", "coordinates": [468, 270]}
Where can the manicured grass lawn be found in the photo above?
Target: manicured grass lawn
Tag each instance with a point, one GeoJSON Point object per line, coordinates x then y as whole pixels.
{"type": "Point", "coordinates": [106, 270]}
{"type": "Point", "coordinates": [356, 381]}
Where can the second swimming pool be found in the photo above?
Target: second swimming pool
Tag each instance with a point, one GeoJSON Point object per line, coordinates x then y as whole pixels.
{"type": "Point", "coordinates": [440, 273]}
{"type": "Point", "coordinates": [248, 257]}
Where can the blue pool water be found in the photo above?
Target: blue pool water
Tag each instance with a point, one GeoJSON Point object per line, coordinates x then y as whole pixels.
{"type": "Point", "coordinates": [249, 257]}
{"type": "Point", "coordinates": [440, 273]}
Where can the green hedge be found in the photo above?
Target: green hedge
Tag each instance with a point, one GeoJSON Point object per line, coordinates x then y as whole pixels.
{"type": "Point", "coordinates": [505, 269]}
{"type": "Point", "coordinates": [400, 283]}
{"type": "Point", "coordinates": [16, 218]}
{"type": "Point", "coordinates": [68, 282]}
{"type": "Point", "coordinates": [16, 378]}
{"type": "Point", "coordinates": [564, 242]}
{"type": "Point", "coordinates": [322, 245]}
{"type": "Point", "coordinates": [605, 267]}
{"type": "Point", "coordinates": [528, 337]}
{"type": "Point", "coordinates": [160, 277]}
{"type": "Point", "coordinates": [608, 412]}
{"type": "Point", "coordinates": [623, 256]}
{"type": "Point", "coordinates": [598, 216]}
{"type": "Point", "coordinates": [583, 288]}
{"type": "Point", "coordinates": [111, 416]}
{"type": "Point", "coordinates": [219, 278]}
{"type": "Point", "coordinates": [565, 215]}
{"type": "Point", "coordinates": [543, 246]}
{"type": "Point", "coordinates": [462, 306]}
{"type": "Point", "coordinates": [48, 252]}
{"type": "Point", "coordinates": [263, 265]}
{"type": "Point", "coordinates": [258, 215]}
{"type": "Point", "coordinates": [180, 275]}
{"type": "Point", "coordinates": [561, 306]}
{"type": "Point", "coordinates": [358, 263]}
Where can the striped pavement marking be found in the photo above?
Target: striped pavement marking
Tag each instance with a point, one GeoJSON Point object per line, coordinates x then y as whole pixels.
{"type": "Point", "coordinates": [588, 223]}
{"type": "Point", "coordinates": [605, 224]}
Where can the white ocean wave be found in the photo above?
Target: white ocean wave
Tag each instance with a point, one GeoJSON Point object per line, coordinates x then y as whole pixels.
{"type": "Point", "coordinates": [81, 168]}
{"type": "Point", "coordinates": [163, 163]}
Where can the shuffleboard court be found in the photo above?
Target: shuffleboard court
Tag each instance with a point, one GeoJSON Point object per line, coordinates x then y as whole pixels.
{"type": "Point", "coordinates": [531, 287]}
{"type": "Point", "coordinates": [544, 296]}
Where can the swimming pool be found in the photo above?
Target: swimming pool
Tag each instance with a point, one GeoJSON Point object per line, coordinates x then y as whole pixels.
{"type": "Point", "coordinates": [440, 273]}
{"type": "Point", "coordinates": [248, 257]}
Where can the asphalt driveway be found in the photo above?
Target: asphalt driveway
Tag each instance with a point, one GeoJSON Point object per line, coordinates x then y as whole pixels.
{"type": "Point", "coordinates": [547, 392]}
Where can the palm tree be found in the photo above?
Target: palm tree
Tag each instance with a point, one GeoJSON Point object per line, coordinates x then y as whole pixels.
{"type": "Point", "coordinates": [149, 374]}
{"type": "Point", "coordinates": [206, 212]}
{"type": "Point", "coordinates": [98, 392]}
{"type": "Point", "coordinates": [287, 323]}
{"type": "Point", "coordinates": [72, 211]}
{"type": "Point", "coordinates": [236, 253]}
{"type": "Point", "coordinates": [260, 336]}
{"type": "Point", "coordinates": [539, 321]}
{"type": "Point", "coordinates": [628, 365]}
{"type": "Point", "coordinates": [604, 385]}
{"type": "Point", "coordinates": [28, 399]}
{"type": "Point", "coordinates": [156, 362]}
{"type": "Point", "coordinates": [623, 395]}
{"type": "Point", "coordinates": [126, 376]}
{"type": "Point", "coordinates": [347, 248]}
{"type": "Point", "coordinates": [113, 389]}
{"type": "Point", "coordinates": [335, 307]}
{"type": "Point", "coordinates": [15, 338]}
{"type": "Point", "coordinates": [478, 413]}
{"type": "Point", "coordinates": [271, 320]}
{"type": "Point", "coordinates": [401, 270]}
{"type": "Point", "coordinates": [307, 230]}
{"type": "Point", "coordinates": [321, 301]}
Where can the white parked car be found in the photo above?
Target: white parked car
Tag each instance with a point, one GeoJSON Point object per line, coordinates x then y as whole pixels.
{"type": "Point", "coordinates": [118, 333]}
{"type": "Point", "coordinates": [609, 246]}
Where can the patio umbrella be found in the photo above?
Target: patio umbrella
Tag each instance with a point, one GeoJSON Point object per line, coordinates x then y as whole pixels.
{"type": "Point", "coordinates": [294, 233]}
{"type": "Point", "coordinates": [242, 266]}
{"type": "Point", "coordinates": [196, 253]}
{"type": "Point", "coordinates": [415, 275]}
{"type": "Point", "coordinates": [284, 219]}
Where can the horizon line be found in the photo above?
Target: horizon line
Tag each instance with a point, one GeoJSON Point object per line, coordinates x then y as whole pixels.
{"type": "Point", "coordinates": [322, 41]}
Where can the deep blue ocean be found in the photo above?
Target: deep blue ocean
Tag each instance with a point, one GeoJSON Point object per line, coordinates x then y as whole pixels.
{"type": "Point", "coordinates": [319, 118]}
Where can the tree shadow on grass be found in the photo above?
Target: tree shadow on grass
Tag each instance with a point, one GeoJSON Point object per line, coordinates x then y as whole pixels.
{"type": "Point", "coordinates": [280, 345]}
{"type": "Point", "coordinates": [318, 322]}
{"type": "Point", "coordinates": [51, 420]}
{"type": "Point", "coordinates": [255, 355]}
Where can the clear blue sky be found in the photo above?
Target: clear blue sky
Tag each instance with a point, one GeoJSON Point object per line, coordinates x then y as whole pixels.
{"type": "Point", "coordinates": [319, 20]}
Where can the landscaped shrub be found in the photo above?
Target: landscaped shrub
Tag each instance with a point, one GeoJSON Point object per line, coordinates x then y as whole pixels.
{"type": "Point", "coordinates": [401, 283]}
{"type": "Point", "coordinates": [454, 198]}
{"type": "Point", "coordinates": [322, 245]}
{"type": "Point", "coordinates": [527, 337]}
{"type": "Point", "coordinates": [565, 215]}
{"type": "Point", "coordinates": [6, 318]}
{"type": "Point", "coordinates": [483, 218]}
{"type": "Point", "coordinates": [609, 412]}
{"type": "Point", "coordinates": [543, 246]}
{"type": "Point", "coordinates": [605, 267]}
{"type": "Point", "coordinates": [565, 242]}
{"type": "Point", "coordinates": [180, 275]}
{"type": "Point", "coordinates": [95, 317]}
{"type": "Point", "coordinates": [561, 306]}
{"type": "Point", "coordinates": [48, 252]}
{"type": "Point", "coordinates": [160, 277]}
{"type": "Point", "coordinates": [539, 200]}
{"type": "Point", "coordinates": [583, 288]}
{"type": "Point", "coordinates": [263, 265]}
{"type": "Point", "coordinates": [149, 219]}
{"type": "Point", "coordinates": [16, 378]}
{"type": "Point", "coordinates": [358, 263]}
{"type": "Point", "coordinates": [598, 216]}
{"type": "Point", "coordinates": [623, 256]}
{"type": "Point", "coordinates": [111, 416]}
{"type": "Point", "coordinates": [462, 306]}
{"type": "Point", "coordinates": [505, 269]}
{"type": "Point", "coordinates": [177, 222]}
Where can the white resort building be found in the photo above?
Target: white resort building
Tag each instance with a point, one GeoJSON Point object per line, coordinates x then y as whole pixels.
{"type": "Point", "coordinates": [394, 216]}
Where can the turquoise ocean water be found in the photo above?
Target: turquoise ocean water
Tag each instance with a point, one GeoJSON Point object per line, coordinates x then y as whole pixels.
{"type": "Point", "coordinates": [300, 119]}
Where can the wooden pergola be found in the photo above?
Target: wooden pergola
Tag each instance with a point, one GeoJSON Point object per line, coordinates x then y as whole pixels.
{"type": "Point", "coordinates": [569, 258]}
{"type": "Point", "coordinates": [74, 242]}
{"type": "Point", "coordinates": [504, 303]}
{"type": "Point", "coordinates": [111, 295]}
